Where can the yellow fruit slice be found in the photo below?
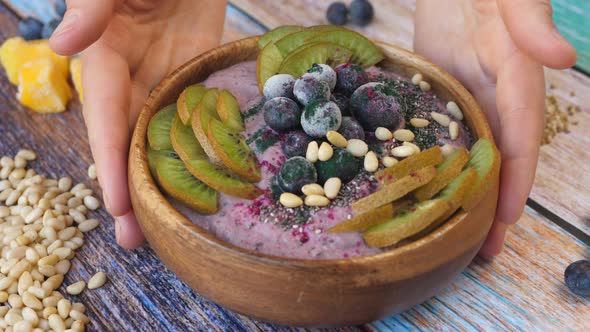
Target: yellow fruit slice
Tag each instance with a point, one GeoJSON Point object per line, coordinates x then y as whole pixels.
{"type": "Point", "coordinates": [76, 72]}
{"type": "Point", "coordinates": [429, 157]}
{"type": "Point", "coordinates": [365, 220]}
{"type": "Point", "coordinates": [203, 113]}
{"type": "Point", "coordinates": [42, 87]}
{"type": "Point", "coordinates": [228, 110]}
{"type": "Point", "coordinates": [188, 100]}
{"type": "Point", "coordinates": [394, 190]}
{"type": "Point", "coordinates": [446, 172]}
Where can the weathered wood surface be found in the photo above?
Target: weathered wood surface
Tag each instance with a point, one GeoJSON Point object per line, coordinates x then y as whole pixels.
{"type": "Point", "coordinates": [520, 290]}
{"type": "Point", "coordinates": [571, 17]}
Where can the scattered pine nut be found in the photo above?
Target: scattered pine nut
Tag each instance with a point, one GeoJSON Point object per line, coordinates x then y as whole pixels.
{"type": "Point", "coordinates": [455, 111]}
{"type": "Point", "coordinates": [383, 134]}
{"type": "Point", "coordinates": [91, 202]}
{"type": "Point", "coordinates": [371, 162]}
{"type": "Point", "coordinates": [357, 147]}
{"type": "Point", "coordinates": [419, 123]}
{"type": "Point", "coordinates": [316, 200]}
{"type": "Point", "coordinates": [312, 189]}
{"type": "Point", "coordinates": [413, 146]}
{"type": "Point", "coordinates": [388, 161]}
{"type": "Point", "coordinates": [290, 200]}
{"type": "Point", "coordinates": [336, 139]}
{"type": "Point", "coordinates": [424, 86]}
{"type": "Point", "coordinates": [454, 130]}
{"type": "Point", "coordinates": [417, 78]}
{"type": "Point", "coordinates": [312, 152]}
{"type": "Point", "coordinates": [76, 288]}
{"type": "Point", "coordinates": [27, 154]}
{"type": "Point", "coordinates": [332, 187]}
{"type": "Point", "coordinates": [402, 151]}
{"type": "Point", "coordinates": [325, 152]}
{"type": "Point", "coordinates": [442, 119]}
{"type": "Point", "coordinates": [97, 280]}
{"type": "Point", "coordinates": [403, 135]}
{"type": "Point", "coordinates": [92, 172]}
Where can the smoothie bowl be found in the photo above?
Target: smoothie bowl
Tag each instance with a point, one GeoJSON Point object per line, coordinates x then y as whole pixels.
{"type": "Point", "coordinates": [312, 177]}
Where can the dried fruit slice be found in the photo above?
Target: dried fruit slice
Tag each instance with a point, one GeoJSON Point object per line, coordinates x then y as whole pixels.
{"type": "Point", "coordinates": [277, 33]}
{"type": "Point", "coordinates": [450, 168]}
{"type": "Point", "coordinates": [177, 182]}
{"type": "Point", "coordinates": [365, 53]}
{"type": "Point", "coordinates": [76, 74]}
{"type": "Point", "coordinates": [233, 150]}
{"type": "Point", "coordinates": [406, 224]}
{"type": "Point", "coordinates": [42, 87]}
{"type": "Point", "coordinates": [204, 112]}
{"type": "Point", "coordinates": [188, 100]}
{"type": "Point", "coordinates": [365, 220]}
{"type": "Point", "coordinates": [228, 110]}
{"type": "Point", "coordinates": [158, 132]}
{"type": "Point", "coordinates": [395, 190]}
{"type": "Point", "coordinates": [152, 156]}
{"type": "Point", "coordinates": [429, 157]}
{"type": "Point", "coordinates": [301, 59]}
{"type": "Point", "coordinates": [484, 158]}
{"type": "Point", "coordinates": [268, 64]}
{"type": "Point", "coordinates": [184, 142]}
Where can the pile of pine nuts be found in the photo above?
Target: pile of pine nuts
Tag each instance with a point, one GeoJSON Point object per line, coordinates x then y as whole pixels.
{"type": "Point", "coordinates": [42, 224]}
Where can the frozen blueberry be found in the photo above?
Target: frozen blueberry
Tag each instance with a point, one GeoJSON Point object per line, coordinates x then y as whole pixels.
{"type": "Point", "coordinates": [309, 88]}
{"type": "Point", "coordinates": [577, 277]}
{"type": "Point", "coordinates": [342, 101]}
{"type": "Point", "coordinates": [60, 7]}
{"type": "Point", "coordinates": [361, 12]}
{"type": "Point", "coordinates": [49, 27]}
{"type": "Point", "coordinates": [337, 13]}
{"type": "Point", "coordinates": [350, 128]}
{"type": "Point", "coordinates": [30, 28]}
{"type": "Point", "coordinates": [374, 105]}
{"type": "Point", "coordinates": [295, 144]}
{"type": "Point", "coordinates": [281, 114]}
{"type": "Point", "coordinates": [295, 173]}
{"type": "Point", "coordinates": [319, 117]}
{"type": "Point", "coordinates": [350, 78]}
{"type": "Point", "coordinates": [342, 165]}
{"type": "Point", "coordinates": [324, 73]}
{"type": "Point", "coordinates": [275, 189]}
{"type": "Point", "coordinates": [280, 85]}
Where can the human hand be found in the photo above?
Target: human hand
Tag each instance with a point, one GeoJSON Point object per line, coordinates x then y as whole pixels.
{"type": "Point", "coordinates": [128, 47]}
{"type": "Point", "coordinates": [497, 49]}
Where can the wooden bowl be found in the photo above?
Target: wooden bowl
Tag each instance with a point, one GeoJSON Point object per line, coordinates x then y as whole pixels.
{"type": "Point", "coordinates": [300, 292]}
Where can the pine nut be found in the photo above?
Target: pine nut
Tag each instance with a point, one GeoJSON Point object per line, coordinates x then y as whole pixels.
{"type": "Point", "coordinates": [63, 308]}
{"type": "Point", "coordinates": [63, 267]}
{"type": "Point", "coordinates": [454, 130]}
{"type": "Point", "coordinates": [83, 193]}
{"type": "Point", "coordinates": [30, 315]}
{"type": "Point", "coordinates": [290, 200]}
{"type": "Point", "coordinates": [6, 162]}
{"type": "Point", "coordinates": [39, 292]}
{"type": "Point", "coordinates": [92, 172]}
{"type": "Point", "coordinates": [413, 146]}
{"type": "Point", "coordinates": [13, 316]}
{"type": "Point", "coordinates": [76, 315]}
{"type": "Point", "coordinates": [17, 174]}
{"type": "Point", "coordinates": [15, 301]}
{"type": "Point", "coordinates": [74, 202]}
{"type": "Point", "coordinates": [49, 260]}
{"type": "Point", "coordinates": [19, 162]}
{"type": "Point", "coordinates": [20, 267]}
{"type": "Point", "coordinates": [325, 152]}
{"type": "Point", "coordinates": [5, 172]}
{"type": "Point", "coordinates": [77, 215]}
{"type": "Point", "coordinates": [442, 119]}
{"type": "Point", "coordinates": [91, 202]}
{"type": "Point", "coordinates": [424, 86]}
{"type": "Point", "coordinates": [5, 194]}
{"type": "Point", "coordinates": [332, 187]}
{"type": "Point", "coordinates": [77, 187]}
{"type": "Point", "coordinates": [82, 208]}
{"type": "Point", "coordinates": [4, 211]}
{"type": "Point", "coordinates": [23, 326]}
{"type": "Point", "coordinates": [78, 326]}
{"type": "Point", "coordinates": [357, 147]}
{"type": "Point", "coordinates": [402, 151]}
{"type": "Point", "coordinates": [76, 288]}
{"type": "Point", "coordinates": [417, 78]}
{"type": "Point", "coordinates": [316, 200]}
{"type": "Point", "coordinates": [56, 323]}
{"type": "Point", "coordinates": [53, 282]}
{"type": "Point", "coordinates": [56, 244]}
{"type": "Point", "coordinates": [91, 224]}
{"type": "Point", "coordinates": [336, 139]}
{"type": "Point", "coordinates": [371, 162]}
{"type": "Point", "coordinates": [78, 307]}
{"type": "Point", "coordinates": [3, 298]}
{"type": "Point", "coordinates": [50, 301]}
{"type": "Point", "coordinates": [64, 184]}
{"type": "Point", "coordinates": [308, 189]}
{"type": "Point", "coordinates": [13, 198]}
{"type": "Point", "coordinates": [25, 282]}
{"type": "Point", "coordinates": [455, 111]}
{"type": "Point", "coordinates": [383, 134]}
{"type": "Point", "coordinates": [403, 135]}
{"type": "Point", "coordinates": [31, 301]}
{"type": "Point", "coordinates": [35, 214]}
{"type": "Point", "coordinates": [447, 149]}
{"type": "Point", "coordinates": [312, 152]}
{"type": "Point", "coordinates": [27, 154]}
{"type": "Point", "coordinates": [97, 280]}
{"type": "Point", "coordinates": [66, 233]}
{"type": "Point", "coordinates": [389, 161]}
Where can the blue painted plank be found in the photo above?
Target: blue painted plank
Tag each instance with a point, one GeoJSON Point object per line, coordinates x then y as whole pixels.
{"type": "Point", "coordinates": [572, 18]}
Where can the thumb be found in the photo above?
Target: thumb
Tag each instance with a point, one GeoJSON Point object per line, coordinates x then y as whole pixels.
{"type": "Point", "coordinates": [530, 24]}
{"type": "Point", "coordinates": [83, 24]}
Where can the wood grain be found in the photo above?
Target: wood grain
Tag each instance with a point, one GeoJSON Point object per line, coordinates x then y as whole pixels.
{"type": "Point", "coordinates": [571, 18]}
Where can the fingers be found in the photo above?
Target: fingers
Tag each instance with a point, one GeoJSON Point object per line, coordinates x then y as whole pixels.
{"type": "Point", "coordinates": [530, 25]}
{"type": "Point", "coordinates": [82, 25]}
{"type": "Point", "coordinates": [495, 240]}
{"type": "Point", "coordinates": [127, 231]}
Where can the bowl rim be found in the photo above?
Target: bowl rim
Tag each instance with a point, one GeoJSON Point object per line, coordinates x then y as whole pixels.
{"type": "Point", "coordinates": [184, 226]}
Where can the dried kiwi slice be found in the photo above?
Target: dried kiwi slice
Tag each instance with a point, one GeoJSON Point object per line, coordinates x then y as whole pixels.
{"type": "Point", "coordinates": [277, 33]}
{"type": "Point", "coordinates": [450, 168]}
{"type": "Point", "coordinates": [233, 150]}
{"type": "Point", "coordinates": [365, 53]}
{"type": "Point", "coordinates": [405, 224]}
{"type": "Point", "coordinates": [204, 112]}
{"type": "Point", "coordinates": [184, 141]}
{"type": "Point", "coordinates": [268, 64]}
{"type": "Point", "coordinates": [158, 133]}
{"type": "Point", "coordinates": [301, 59]}
{"type": "Point", "coordinates": [228, 110]}
{"type": "Point", "coordinates": [177, 182]}
{"type": "Point", "coordinates": [429, 157]}
{"type": "Point", "coordinates": [293, 41]}
{"type": "Point", "coordinates": [365, 220]}
{"type": "Point", "coordinates": [484, 158]}
{"type": "Point", "coordinates": [152, 155]}
{"type": "Point", "coordinates": [188, 101]}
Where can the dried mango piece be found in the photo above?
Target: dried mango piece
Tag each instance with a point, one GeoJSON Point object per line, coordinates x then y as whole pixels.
{"type": "Point", "coordinates": [76, 72]}
{"type": "Point", "coordinates": [42, 87]}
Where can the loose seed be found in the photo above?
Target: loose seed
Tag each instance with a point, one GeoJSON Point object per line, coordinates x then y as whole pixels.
{"type": "Point", "coordinates": [53, 282]}
{"type": "Point", "coordinates": [23, 326]}
{"type": "Point", "coordinates": [83, 193]}
{"type": "Point", "coordinates": [77, 215]}
{"type": "Point", "coordinates": [92, 171]}
{"type": "Point", "coordinates": [447, 149]}
{"type": "Point", "coordinates": [17, 174]}
{"type": "Point", "coordinates": [389, 161]}
{"type": "Point", "coordinates": [332, 187]}
{"type": "Point", "coordinates": [403, 135]}
{"type": "Point", "coordinates": [6, 162]}
{"type": "Point", "coordinates": [454, 130]}
{"type": "Point", "coordinates": [78, 326]}
{"type": "Point", "coordinates": [316, 200]}
{"type": "Point", "coordinates": [417, 78]}
{"type": "Point", "coordinates": [64, 184]}
{"type": "Point", "coordinates": [35, 214]}
{"type": "Point", "coordinates": [357, 147]}
{"type": "Point", "coordinates": [455, 111]}
{"type": "Point", "coordinates": [31, 301]}
{"type": "Point", "coordinates": [66, 233]}
{"type": "Point", "coordinates": [62, 252]}
{"type": "Point", "coordinates": [49, 260]}
{"type": "Point", "coordinates": [91, 224]}
{"type": "Point", "coordinates": [13, 316]}
{"type": "Point", "coordinates": [39, 292]}
{"type": "Point", "coordinates": [402, 151]}
{"type": "Point", "coordinates": [64, 307]}
{"type": "Point", "coordinates": [325, 152]}
{"type": "Point", "coordinates": [336, 139]}
{"type": "Point", "coordinates": [76, 288]}
{"type": "Point", "coordinates": [311, 154]}
{"type": "Point", "coordinates": [290, 200]}
{"type": "Point", "coordinates": [76, 315]}
{"type": "Point", "coordinates": [308, 189]}
{"type": "Point", "coordinates": [13, 198]}
{"type": "Point", "coordinates": [97, 280]}
{"type": "Point", "coordinates": [20, 162]}
{"type": "Point", "coordinates": [424, 86]}
{"type": "Point", "coordinates": [78, 307]}
{"type": "Point", "coordinates": [442, 119]}
{"type": "Point", "coordinates": [371, 162]}
{"type": "Point", "coordinates": [20, 267]}
{"type": "Point", "coordinates": [91, 202]}
{"type": "Point", "coordinates": [27, 154]}
{"type": "Point", "coordinates": [413, 146]}
{"type": "Point", "coordinates": [4, 184]}
{"type": "Point", "coordinates": [15, 301]}
{"type": "Point", "coordinates": [30, 315]}
{"type": "Point", "coordinates": [57, 323]}
{"type": "Point", "coordinates": [77, 188]}
{"type": "Point", "coordinates": [63, 267]}
{"type": "Point", "coordinates": [383, 134]}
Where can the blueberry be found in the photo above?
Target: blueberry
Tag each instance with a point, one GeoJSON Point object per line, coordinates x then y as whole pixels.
{"type": "Point", "coordinates": [342, 165]}
{"type": "Point", "coordinates": [361, 12]}
{"type": "Point", "coordinates": [280, 85]}
{"type": "Point", "coordinates": [577, 277]}
{"type": "Point", "coordinates": [342, 102]}
{"type": "Point", "coordinates": [49, 27]}
{"type": "Point", "coordinates": [350, 77]}
{"type": "Point", "coordinates": [281, 114]}
{"type": "Point", "coordinates": [319, 117]}
{"type": "Point", "coordinates": [350, 128]}
{"type": "Point", "coordinates": [374, 105]}
{"type": "Point", "coordinates": [30, 28]}
{"type": "Point", "coordinates": [337, 13]}
{"type": "Point", "coordinates": [275, 189]}
{"type": "Point", "coordinates": [295, 144]}
{"type": "Point", "coordinates": [60, 7]}
{"type": "Point", "coordinates": [308, 88]}
{"type": "Point", "coordinates": [324, 73]}
{"type": "Point", "coordinates": [295, 173]}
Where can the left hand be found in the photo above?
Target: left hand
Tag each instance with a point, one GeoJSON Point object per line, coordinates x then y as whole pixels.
{"type": "Point", "coordinates": [497, 49]}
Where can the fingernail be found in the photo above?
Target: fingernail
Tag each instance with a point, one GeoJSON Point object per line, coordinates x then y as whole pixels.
{"type": "Point", "coordinates": [66, 24]}
{"type": "Point", "coordinates": [107, 202]}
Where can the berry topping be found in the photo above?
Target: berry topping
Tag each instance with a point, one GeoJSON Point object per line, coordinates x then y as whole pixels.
{"type": "Point", "coordinates": [374, 105]}
{"type": "Point", "coordinates": [342, 101]}
{"type": "Point", "coordinates": [30, 28]}
{"type": "Point", "coordinates": [342, 165]}
{"type": "Point", "coordinates": [280, 85]}
{"type": "Point", "coordinates": [295, 173]}
{"type": "Point", "coordinates": [309, 88]}
{"type": "Point", "coordinates": [295, 144]}
{"type": "Point", "coordinates": [319, 117]}
{"type": "Point", "coordinates": [337, 13]}
{"type": "Point", "coordinates": [49, 27]}
{"type": "Point", "coordinates": [577, 277]}
{"type": "Point", "coordinates": [350, 78]}
{"type": "Point", "coordinates": [350, 128]}
{"type": "Point", "coordinates": [361, 12]}
{"type": "Point", "coordinates": [275, 189]}
{"type": "Point", "coordinates": [281, 114]}
{"type": "Point", "coordinates": [323, 73]}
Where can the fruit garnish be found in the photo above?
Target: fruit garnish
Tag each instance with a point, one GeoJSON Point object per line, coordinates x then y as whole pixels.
{"type": "Point", "coordinates": [228, 110]}
{"type": "Point", "coordinates": [277, 33]}
{"type": "Point", "coordinates": [342, 165]}
{"type": "Point", "coordinates": [281, 114]}
{"type": "Point", "coordinates": [365, 53]}
{"type": "Point", "coordinates": [365, 220]}
{"type": "Point", "coordinates": [349, 78]}
{"type": "Point", "coordinates": [319, 117]}
{"type": "Point", "coordinates": [351, 129]}
{"type": "Point", "coordinates": [577, 277]}
{"type": "Point", "coordinates": [188, 100]}
{"type": "Point", "coordinates": [361, 12]}
{"type": "Point", "coordinates": [152, 156]}
{"type": "Point", "coordinates": [484, 158]}
{"type": "Point", "coordinates": [450, 168]}
{"type": "Point", "coordinates": [405, 224]}
{"type": "Point", "coordinates": [184, 142]}
{"type": "Point", "coordinates": [203, 113]}
{"type": "Point", "coordinates": [395, 190]}
{"type": "Point", "coordinates": [233, 150]}
{"type": "Point", "coordinates": [42, 87]}
{"type": "Point", "coordinates": [177, 182]}
{"type": "Point", "coordinates": [337, 13]}
{"type": "Point", "coordinates": [302, 58]}
{"type": "Point", "coordinates": [324, 73]}
{"type": "Point", "coordinates": [158, 133]}
{"type": "Point", "coordinates": [375, 105]}
{"type": "Point", "coordinates": [280, 85]}
{"type": "Point", "coordinates": [268, 64]}
{"type": "Point", "coordinates": [295, 173]}
{"type": "Point", "coordinates": [76, 74]}
{"type": "Point", "coordinates": [428, 157]}
{"type": "Point", "coordinates": [295, 144]}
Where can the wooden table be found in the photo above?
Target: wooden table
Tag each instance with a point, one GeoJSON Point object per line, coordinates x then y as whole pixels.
{"type": "Point", "coordinates": [522, 289]}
